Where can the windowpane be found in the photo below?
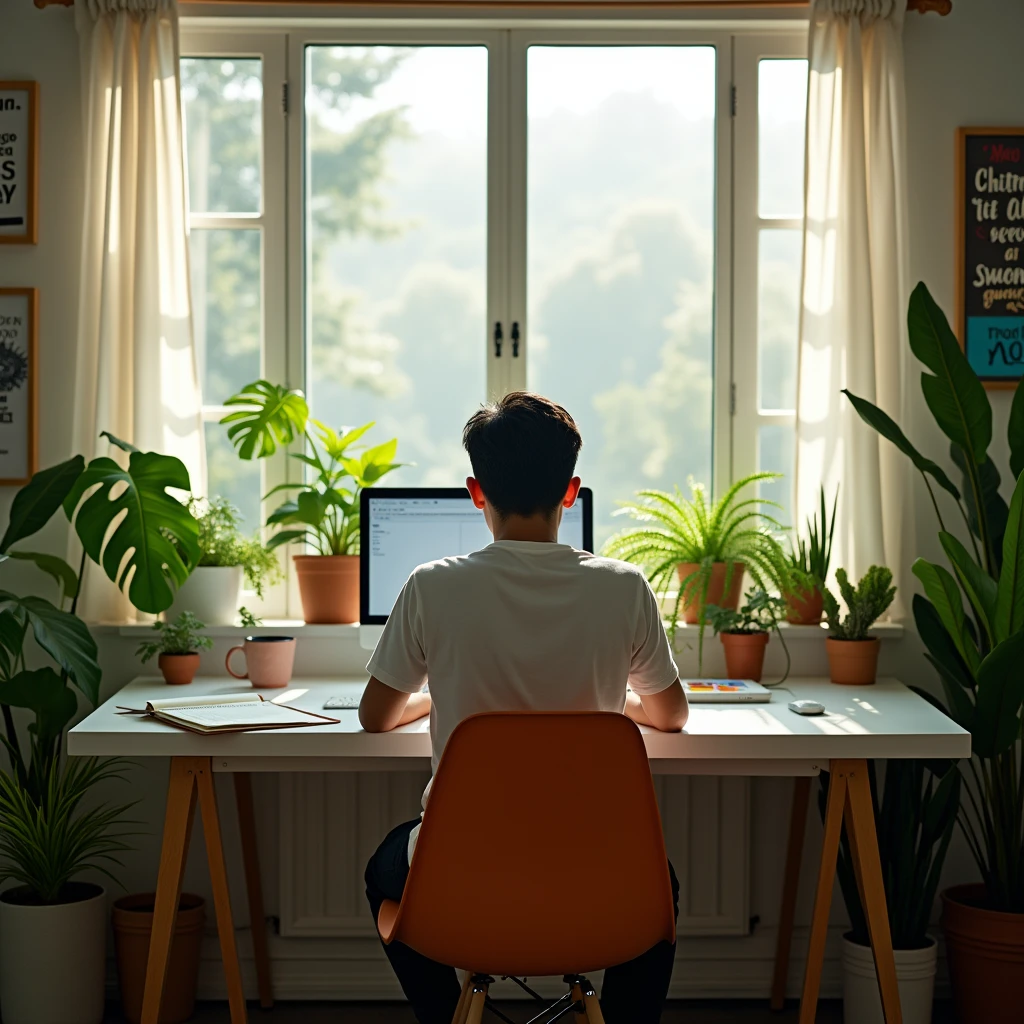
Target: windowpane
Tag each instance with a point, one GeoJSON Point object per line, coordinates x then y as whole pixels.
{"type": "Point", "coordinates": [781, 116]}
{"type": "Point", "coordinates": [396, 196]}
{"type": "Point", "coordinates": [226, 309]}
{"type": "Point", "coordinates": [776, 446]}
{"type": "Point", "coordinates": [778, 317]}
{"type": "Point", "coordinates": [223, 99]}
{"type": "Point", "coordinates": [230, 477]}
{"type": "Point", "coordinates": [620, 278]}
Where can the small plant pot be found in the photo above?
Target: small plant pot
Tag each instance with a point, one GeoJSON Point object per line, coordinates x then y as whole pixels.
{"type": "Point", "coordinates": [915, 977]}
{"type": "Point", "coordinates": [852, 662]}
{"type": "Point", "coordinates": [179, 669]}
{"type": "Point", "coordinates": [985, 953]}
{"type": "Point", "coordinates": [744, 654]}
{"type": "Point", "coordinates": [53, 957]}
{"type": "Point", "coordinates": [804, 607]}
{"type": "Point", "coordinates": [329, 587]}
{"type": "Point", "coordinates": [212, 593]}
{"type": "Point", "coordinates": [717, 594]}
{"type": "Point", "coordinates": [132, 918]}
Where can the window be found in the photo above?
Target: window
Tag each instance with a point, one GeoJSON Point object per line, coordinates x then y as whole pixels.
{"type": "Point", "coordinates": [473, 210]}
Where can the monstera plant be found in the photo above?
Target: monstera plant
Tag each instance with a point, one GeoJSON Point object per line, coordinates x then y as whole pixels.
{"type": "Point", "coordinates": [971, 621]}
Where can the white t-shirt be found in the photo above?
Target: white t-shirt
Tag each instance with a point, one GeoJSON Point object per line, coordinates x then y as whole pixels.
{"type": "Point", "coordinates": [523, 626]}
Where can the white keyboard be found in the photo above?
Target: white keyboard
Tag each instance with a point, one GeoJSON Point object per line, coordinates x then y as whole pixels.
{"type": "Point", "coordinates": [344, 703]}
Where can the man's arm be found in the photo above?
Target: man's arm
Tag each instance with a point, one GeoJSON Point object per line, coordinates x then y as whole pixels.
{"type": "Point", "coordinates": [383, 708]}
{"type": "Point", "coordinates": [666, 710]}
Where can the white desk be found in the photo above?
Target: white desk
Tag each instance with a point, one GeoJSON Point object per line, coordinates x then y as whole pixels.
{"type": "Point", "coordinates": [882, 721]}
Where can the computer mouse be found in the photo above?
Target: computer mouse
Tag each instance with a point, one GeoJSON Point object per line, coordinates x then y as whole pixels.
{"type": "Point", "coordinates": [806, 707]}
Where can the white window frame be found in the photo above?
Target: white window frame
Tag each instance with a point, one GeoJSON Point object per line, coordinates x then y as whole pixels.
{"type": "Point", "coordinates": [749, 51]}
{"type": "Point", "coordinates": [285, 356]}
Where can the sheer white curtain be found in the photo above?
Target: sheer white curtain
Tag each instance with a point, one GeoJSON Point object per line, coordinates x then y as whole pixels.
{"type": "Point", "coordinates": [136, 373]}
{"type": "Point", "coordinates": [855, 278]}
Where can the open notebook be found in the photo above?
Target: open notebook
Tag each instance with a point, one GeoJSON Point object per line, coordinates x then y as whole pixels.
{"type": "Point", "coordinates": [234, 713]}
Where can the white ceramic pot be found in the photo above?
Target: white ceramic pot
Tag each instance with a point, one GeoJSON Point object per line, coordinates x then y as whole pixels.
{"type": "Point", "coordinates": [915, 973]}
{"type": "Point", "coordinates": [53, 959]}
{"type": "Point", "coordinates": [212, 594]}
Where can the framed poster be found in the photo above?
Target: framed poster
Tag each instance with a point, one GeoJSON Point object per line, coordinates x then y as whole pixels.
{"type": "Point", "coordinates": [19, 326]}
{"type": "Point", "coordinates": [990, 252]}
{"type": "Point", "coordinates": [19, 162]}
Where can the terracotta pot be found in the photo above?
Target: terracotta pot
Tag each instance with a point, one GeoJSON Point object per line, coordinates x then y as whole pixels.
{"type": "Point", "coordinates": [132, 918]}
{"type": "Point", "coordinates": [803, 607]}
{"type": "Point", "coordinates": [690, 605]}
{"type": "Point", "coordinates": [329, 587]}
{"type": "Point", "coordinates": [985, 953]}
{"type": "Point", "coordinates": [179, 669]}
{"type": "Point", "coordinates": [744, 654]}
{"type": "Point", "coordinates": [852, 662]}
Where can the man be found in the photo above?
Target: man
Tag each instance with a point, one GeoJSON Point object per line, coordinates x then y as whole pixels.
{"type": "Point", "coordinates": [526, 624]}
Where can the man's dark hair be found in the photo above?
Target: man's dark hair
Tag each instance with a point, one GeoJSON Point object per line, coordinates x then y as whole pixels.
{"type": "Point", "coordinates": [523, 450]}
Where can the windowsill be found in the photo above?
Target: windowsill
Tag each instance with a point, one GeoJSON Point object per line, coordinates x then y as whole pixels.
{"type": "Point", "coordinates": [350, 631]}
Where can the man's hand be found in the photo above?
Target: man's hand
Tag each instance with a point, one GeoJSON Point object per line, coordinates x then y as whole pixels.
{"type": "Point", "coordinates": [384, 708]}
{"type": "Point", "coordinates": [666, 711]}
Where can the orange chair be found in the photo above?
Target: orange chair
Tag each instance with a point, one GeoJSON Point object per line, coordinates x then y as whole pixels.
{"type": "Point", "coordinates": [541, 853]}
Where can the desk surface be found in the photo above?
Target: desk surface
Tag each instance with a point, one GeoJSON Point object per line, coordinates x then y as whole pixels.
{"type": "Point", "coordinates": [882, 721]}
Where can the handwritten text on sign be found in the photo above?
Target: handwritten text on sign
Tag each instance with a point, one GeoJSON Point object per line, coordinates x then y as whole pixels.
{"type": "Point", "coordinates": [993, 244]}
{"type": "Point", "coordinates": [15, 157]}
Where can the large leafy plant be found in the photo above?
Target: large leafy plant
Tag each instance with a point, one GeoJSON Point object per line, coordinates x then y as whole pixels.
{"type": "Point", "coordinates": [324, 511]}
{"type": "Point", "coordinates": [972, 618]}
{"type": "Point", "coordinates": [674, 531]}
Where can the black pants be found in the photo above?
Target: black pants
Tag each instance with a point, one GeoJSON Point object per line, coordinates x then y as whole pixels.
{"type": "Point", "coordinates": [633, 993]}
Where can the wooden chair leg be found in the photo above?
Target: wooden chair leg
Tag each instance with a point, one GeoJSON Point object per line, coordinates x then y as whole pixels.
{"type": "Point", "coordinates": [221, 894]}
{"type": "Point", "coordinates": [790, 885]}
{"type": "Point", "coordinates": [591, 1002]}
{"type": "Point", "coordinates": [577, 998]}
{"type": "Point", "coordinates": [477, 999]}
{"type": "Point", "coordinates": [254, 887]}
{"type": "Point", "coordinates": [463, 1008]}
{"type": "Point", "coordinates": [868, 867]}
{"type": "Point", "coordinates": [823, 894]}
{"type": "Point", "coordinates": [178, 817]}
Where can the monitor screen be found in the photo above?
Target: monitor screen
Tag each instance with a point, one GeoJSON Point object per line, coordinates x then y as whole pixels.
{"type": "Point", "coordinates": [404, 527]}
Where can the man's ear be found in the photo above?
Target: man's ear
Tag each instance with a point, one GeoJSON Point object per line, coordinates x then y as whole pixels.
{"type": "Point", "coordinates": [570, 493]}
{"type": "Point", "coordinates": [476, 492]}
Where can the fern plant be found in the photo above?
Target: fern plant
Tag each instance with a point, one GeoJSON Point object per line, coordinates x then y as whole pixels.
{"type": "Point", "coordinates": [674, 531]}
{"type": "Point", "coordinates": [873, 594]}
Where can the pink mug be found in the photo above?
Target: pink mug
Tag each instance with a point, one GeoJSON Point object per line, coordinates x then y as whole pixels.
{"type": "Point", "coordinates": [268, 661]}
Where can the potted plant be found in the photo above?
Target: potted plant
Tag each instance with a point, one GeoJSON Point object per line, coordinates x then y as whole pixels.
{"type": "Point", "coordinates": [213, 589]}
{"type": "Point", "coordinates": [52, 926]}
{"type": "Point", "coordinates": [808, 567]}
{"type": "Point", "coordinates": [324, 511]}
{"type": "Point", "coordinates": [852, 654]}
{"type": "Point", "coordinates": [914, 820]}
{"type": "Point", "coordinates": [972, 625]}
{"type": "Point", "coordinates": [704, 546]}
{"type": "Point", "coordinates": [176, 646]}
{"type": "Point", "coordinates": [745, 634]}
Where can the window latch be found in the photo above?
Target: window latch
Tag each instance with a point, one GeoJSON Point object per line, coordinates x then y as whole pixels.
{"type": "Point", "coordinates": [515, 339]}
{"type": "Point", "coordinates": [497, 339]}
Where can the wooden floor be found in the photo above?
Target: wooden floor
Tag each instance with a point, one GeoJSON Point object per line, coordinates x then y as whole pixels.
{"type": "Point", "coordinates": [688, 1012]}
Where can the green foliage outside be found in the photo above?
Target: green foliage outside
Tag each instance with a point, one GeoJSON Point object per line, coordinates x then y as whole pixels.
{"type": "Point", "coordinates": [182, 636]}
{"type": "Point", "coordinates": [864, 604]}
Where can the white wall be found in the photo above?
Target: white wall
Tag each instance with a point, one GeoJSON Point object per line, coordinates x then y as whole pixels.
{"type": "Point", "coordinates": [961, 70]}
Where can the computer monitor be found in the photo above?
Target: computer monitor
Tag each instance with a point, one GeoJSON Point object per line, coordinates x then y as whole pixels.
{"type": "Point", "coordinates": [402, 527]}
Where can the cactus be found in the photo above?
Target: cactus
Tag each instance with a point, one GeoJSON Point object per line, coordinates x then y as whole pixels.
{"type": "Point", "coordinates": [874, 593]}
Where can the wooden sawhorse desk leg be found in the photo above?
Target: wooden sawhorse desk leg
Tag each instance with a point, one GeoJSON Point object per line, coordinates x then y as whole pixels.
{"type": "Point", "coordinates": [191, 780]}
{"type": "Point", "coordinates": [787, 912]}
{"type": "Point", "coordinates": [254, 887]}
{"type": "Point", "coordinates": [849, 799]}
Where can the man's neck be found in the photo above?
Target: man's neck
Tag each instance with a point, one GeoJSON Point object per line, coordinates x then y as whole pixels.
{"type": "Point", "coordinates": [535, 528]}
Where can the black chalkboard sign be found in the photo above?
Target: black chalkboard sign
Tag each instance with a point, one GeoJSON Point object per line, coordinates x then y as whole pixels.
{"type": "Point", "coordinates": [990, 252]}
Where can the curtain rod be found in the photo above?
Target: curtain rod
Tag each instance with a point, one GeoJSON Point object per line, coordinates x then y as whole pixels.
{"type": "Point", "coordinates": [940, 7]}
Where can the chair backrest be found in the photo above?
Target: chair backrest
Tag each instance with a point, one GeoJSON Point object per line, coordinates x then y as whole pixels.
{"type": "Point", "coordinates": [541, 850]}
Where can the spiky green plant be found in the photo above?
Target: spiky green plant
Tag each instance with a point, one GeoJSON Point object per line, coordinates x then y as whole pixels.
{"type": "Point", "coordinates": [674, 531]}
{"type": "Point", "coordinates": [809, 560]}
{"type": "Point", "coordinates": [45, 844]}
{"type": "Point", "coordinates": [873, 594]}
